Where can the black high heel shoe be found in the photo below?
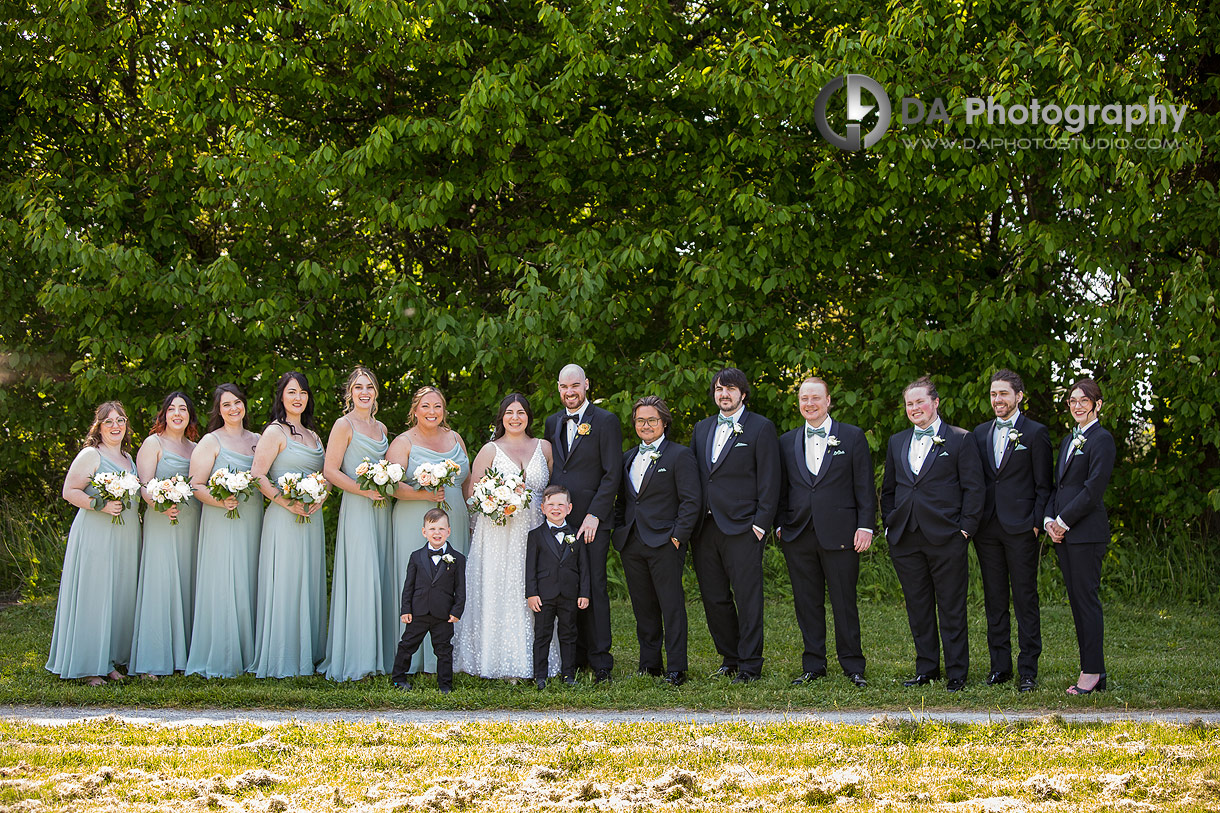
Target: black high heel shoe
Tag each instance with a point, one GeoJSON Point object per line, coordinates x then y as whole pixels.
{"type": "Point", "coordinates": [1099, 686]}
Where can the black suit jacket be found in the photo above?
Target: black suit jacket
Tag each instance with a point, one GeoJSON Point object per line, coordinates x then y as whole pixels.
{"type": "Point", "coordinates": [1017, 491]}
{"type": "Point", "coordinates": [839, 500]}
{"type": "Point", "coordinates": [742, 489]}
{"type": "Point", "coordinates": [590, 469]}
{"type": "Point", "coordinates": [440, 594]}
{"type": "Point", "coordinates": [946, 497]}
{"type": "Point", "coordinates": [667, 504]}
{"type": "Point", "coordinates": [1079, 497]}
{"type": "Point", "coordinates": [555, 571]}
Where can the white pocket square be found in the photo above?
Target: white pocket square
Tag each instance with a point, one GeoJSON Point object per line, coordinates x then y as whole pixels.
{"type": "Point", "coordinates": [944, 454]}
{"type": "Point", "coordinates": [838, 452]}
{"type": "Point", "coordinates": [661, 470]}
{"type": "Point", "coordinates": [740, 444]}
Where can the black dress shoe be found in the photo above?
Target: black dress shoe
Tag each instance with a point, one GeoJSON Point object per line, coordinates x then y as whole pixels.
{"type": "Point", "coordinates": [445, 689]}
{"type": "Point", "coordinates": [996, 678]}
{"type": "Point", "coordinates": [402, 685]}
{"type": "Point", "coordinates": [857, 679]}
{"type": "Point", "coordinates": [807, 677]}
{"type": "Point", "coordinates": [675, 678]}
{"type": "Point", "coordinates": [955, 684]}
{"type": "Point", "coordinates": [601, 676]}
{"type": "Point", "coordinates": [570, 680]}
{"type": "Point", "coordinates": [1027, 684]}
{"type": "Point", "coordinates": [540, 683]}
{"type": "Point", "coordinates": [922, 679]}
{"type": "Point", "coordinates": [745, 677]}
{"type": "Point", "coordinates": [652, 671]}
{"type": "Point", "coordinates": [724, 671]}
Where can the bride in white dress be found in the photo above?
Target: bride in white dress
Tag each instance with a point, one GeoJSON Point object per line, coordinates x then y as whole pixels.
{"type": "Point", "coordinates": [495, 637]}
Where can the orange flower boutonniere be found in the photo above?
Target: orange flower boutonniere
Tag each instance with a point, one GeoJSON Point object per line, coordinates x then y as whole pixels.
{"type": "Point", "coordinates": [583, 429]}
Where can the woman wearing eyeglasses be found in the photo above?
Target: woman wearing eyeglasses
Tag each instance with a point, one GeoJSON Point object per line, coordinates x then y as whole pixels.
{"type": "Point", "coordinates": [1080, 528]}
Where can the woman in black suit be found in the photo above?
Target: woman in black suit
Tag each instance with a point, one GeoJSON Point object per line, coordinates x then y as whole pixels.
{"type": "Point", "coordinates": [1080, 528]}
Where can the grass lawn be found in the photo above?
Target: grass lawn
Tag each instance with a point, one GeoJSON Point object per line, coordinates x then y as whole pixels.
{"type": "Point", "coordinates": [900, 766]}
{"type": "Point", "coordinates": [1157, 658]}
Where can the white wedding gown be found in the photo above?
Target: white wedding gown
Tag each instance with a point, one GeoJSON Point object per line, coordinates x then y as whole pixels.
{"type": "Point", "coordinates": [495, 638]}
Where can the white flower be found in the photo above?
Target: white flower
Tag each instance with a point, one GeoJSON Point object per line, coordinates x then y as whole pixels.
{"type": "Point", "coordinates": [569, 539]}
{"type": "Point", "coordinates": [503, 493]}
{"type": "Point", "coordinates": [381, 478]}
{"type": "Point", "coordinates": [938, 440]}
{"type": "Point", "coordinates": [1078, 442]}
{"type": "Point", "coordinates": [448, 558]}
{"type": "Point", "coordinates": [1014, 436]}
{"type": "Point", "coordinates": [396, 472]}
{"type": "Point", "coordinates": [831, 440]}
{"type": "Point", "coordinates": [737, 430]}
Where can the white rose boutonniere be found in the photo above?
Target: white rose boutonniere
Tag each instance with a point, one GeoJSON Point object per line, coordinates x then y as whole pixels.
{"type": "Point", "coordinates": [447, 558]}
{"type": "Point", "coordinates": [652, 457]}
{"type": "Point", "coordinates": [737, 430]}
{"type": "Point", "coordinates": [938, 440]}
{"type": "Point", "coordinates": [1078, 444]}
{"type": "Point", "coordinates": [1014, 438]}
{"type": "Point", "coordinates": [569, 539]}
{"type": "Point", "coordinates": [831, 440]}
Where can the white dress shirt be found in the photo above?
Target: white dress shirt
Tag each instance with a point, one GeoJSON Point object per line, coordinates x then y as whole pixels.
{"type": "Point", "coordinates": [570, 426]}
{"type": "Point", "coordinates": [640, 465]}
{"type": "Point", "coordinates": [921, 447]}
{"type": "Point", "coordinates": [999, 436]}
{"type": "Point", "coordinates": [815, 447]}
{"type": "Point", "coordinates": [436, 553]}
{"type": "Point", "coordinates": [723, 432]}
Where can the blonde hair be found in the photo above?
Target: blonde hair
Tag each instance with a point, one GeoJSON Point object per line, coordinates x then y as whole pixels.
{"type": "Point", "coordinates": [93, 438]}
{"type": "Point", "coordinates": [356, 372]}
{"type": "Point", "coordinates": [419, 396]}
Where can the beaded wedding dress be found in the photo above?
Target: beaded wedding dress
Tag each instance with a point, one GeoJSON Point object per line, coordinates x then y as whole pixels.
{"type": "Point", "coordinates": [495, 637]}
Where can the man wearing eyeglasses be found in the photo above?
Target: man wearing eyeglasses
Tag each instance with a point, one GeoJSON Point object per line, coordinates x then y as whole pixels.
{"type": "Point", "coordinates": [656, 512]}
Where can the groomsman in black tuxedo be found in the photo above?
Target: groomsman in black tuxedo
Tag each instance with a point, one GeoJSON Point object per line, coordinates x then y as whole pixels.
{"type": "Point", "coordinates": [588, 446]}
{"type": "Point", "coordinates": [827, 507]}
{"type": "Point", "coordinates": [738, 456]}
{"type": "Point", "coordinates": [931, 502]}
{"type": "Point", "coordinates": [657, 509]}
{"type": "Point", "coordinates": [1016, 454]}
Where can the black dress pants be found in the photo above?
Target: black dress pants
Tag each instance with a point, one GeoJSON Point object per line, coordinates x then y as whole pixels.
{"type": "Point", "coordinates": [561, 611]}
{"type": "Point", "coordinates": [654, 582]}
{"type": "Point", "coordinates": [934, 581]}
{"type": "Point", "coordinates": [593, 624]}
{"type": "Point", "coordinates": [814, 572]}
{"type": "Point", "coordinates": [442, 644]}
{"type": "Point", "coordinates": [1010, 560]}
{"type": "Point", "coordinates": [729, 569]}
{"type": "Point", "coordinates": [1081, 566]}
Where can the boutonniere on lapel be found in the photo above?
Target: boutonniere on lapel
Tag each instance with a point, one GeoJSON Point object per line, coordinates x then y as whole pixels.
{"type": "Point", "coordinates": [447, 558]}
{"type": "Point", "coordinates": [1014, 439]}
{"type": "Point", "coordinates": [938, 440]}
{"type": "Point", "coordinates": [831, 440]}
{"type": "Point", "coordinates": [652, 457]}
{"type": "Point", "coordinates": [1078, 444]}
{"type": "Point", "coordinates": [569, 540]}
{"type": "Point", "coordinates": [737, 430]}
{"type": "Point", "coordinates": [583, 429]}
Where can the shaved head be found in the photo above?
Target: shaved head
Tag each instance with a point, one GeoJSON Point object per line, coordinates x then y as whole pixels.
{"type": "Point", "coordinates": [572, 371]}
{"type": "Point", "coordinates": [573, 387]}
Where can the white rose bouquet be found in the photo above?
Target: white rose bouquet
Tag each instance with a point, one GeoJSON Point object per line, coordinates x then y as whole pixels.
{"type": "Point", "coordinates": [226, 483]}
{"type": "Point", "coordinates": [306, 489]}
{"type": "Point", "coordinates": [382, 477]}
{"type": "Point", "coordinates": [498, 496]}
{"type": "Point", "coordinates": [168, 492]}
{"type": "Point", "coordinates": [436, 476]}
{"type": "Point", "coordinates": [110, 485]}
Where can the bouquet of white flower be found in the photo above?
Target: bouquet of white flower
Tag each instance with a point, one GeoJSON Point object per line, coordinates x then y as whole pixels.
{"type": "Point", "coordinates": [436, 476]}
{"type": "Point", "coordinates": [306, 489]}
{"type": "Point", "coordinates": [498, 496]}
{"type": "Point", "coordinates": [168, 492]}
{"type": "Point", "coordinates": [226, 483]}
{"type": "Point", "coordinates": [382, 477]}
{"type": "Point", "coordinates": [111, 485]}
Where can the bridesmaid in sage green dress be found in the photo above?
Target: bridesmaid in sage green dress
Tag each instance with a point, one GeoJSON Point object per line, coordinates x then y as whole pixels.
{"type": "Point", "coordinates": [290, 624]}
{"type": "Point", "coordinates": [165, 600]}
{"type": "Point", "coordinates": [356, 643]}
{"type": "Point", "coordinates": [226, 580]}
{"type": "Point", "coordinates": [95, 613]}
{"type": "Point", "coordinates": [428, 439]}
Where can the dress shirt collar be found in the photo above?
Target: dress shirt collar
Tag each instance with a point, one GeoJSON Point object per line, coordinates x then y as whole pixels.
{"type": "Point", "coordinates": [825, 424]}
{"type": "Point", "coordinates": [437, 551]}
{"type": "Point", "coordinates": [580, 412]}
{"type": "Point", "coordinates": [1013, 418]}
{"type": "Point", "coordinates": [934, 426]}
{"type": "Point", "coordinates": [736, 416]}
{"type": "Point", "coordinates": [1088, 426]}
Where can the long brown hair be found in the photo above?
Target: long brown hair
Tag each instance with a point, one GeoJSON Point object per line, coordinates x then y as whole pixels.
{"type": "Point", "coordinates": [356, 372]}
{"type": "Point", "coordinates": [215, 419]}
{"type": "Point", "coordinates": [419, 396]}
{"type": "Point", "coordinates": [192, 423]}
{"type": "Point", "coordinates": [93, 438]}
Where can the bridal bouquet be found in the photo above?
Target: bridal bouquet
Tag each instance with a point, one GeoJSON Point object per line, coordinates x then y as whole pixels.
{"type": "Point", "coordinates": [111, 485]}
{"type": "Point", "coordinates": [498, 496]}
{"type": "Point", "coordinates": [306, 489]}
{"type": "Point", "coordinates": [226, 483]}
{"type": "Point", "coordinates": [382, 477]}
{"type": "Point", "coordinates": [436, 476]}
{"type": "Point", "coordinates": [169, 492]}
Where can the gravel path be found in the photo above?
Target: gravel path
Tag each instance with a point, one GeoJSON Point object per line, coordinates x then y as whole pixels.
{"type": "Point", "coordinates": [56, 715]}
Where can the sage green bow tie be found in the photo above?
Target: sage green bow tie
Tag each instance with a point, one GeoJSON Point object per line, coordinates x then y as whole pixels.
{"type": "Point", "coordinates": [721, 419]}
{"type": "Point", "coordinates": [647, 447]}
{"type": "Point", "coordinates": [810, 431]}
{"type": "Point", "coordinates": [924, 433]}
{"type": "Point", "coordinates": [1004, 424]}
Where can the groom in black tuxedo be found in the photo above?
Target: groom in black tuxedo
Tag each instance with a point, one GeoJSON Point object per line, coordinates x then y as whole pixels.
{"type": "Point", "coordinates": [657, 509]}
{"type": "Point", "coordinates": [588, 447]}
{"type": "Point", "coordinates": [931, 502]}
{"type": "Point", "coordinates": [1016, 454]}
{"type": "Point", "coordinates": [827, 509]}
{"type": "Point", "coordinates": [738, 456]}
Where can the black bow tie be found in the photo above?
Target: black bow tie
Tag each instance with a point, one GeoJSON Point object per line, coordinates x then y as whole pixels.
{"type": "Point", "coordinates": [575, 417]}
{"type": "Point", "coordinates": [435, 552]}
{"type": "Point", "coordinates": [555, 530]}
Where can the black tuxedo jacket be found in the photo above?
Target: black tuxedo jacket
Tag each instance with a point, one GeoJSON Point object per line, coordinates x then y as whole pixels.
{"type": "Point", "coordinates": [1079, 497]}
{"type": "Point", "coordinates": [555, 571]}
{"type": "Point", "coordinates": [840, 499]}
{"type": "Point", "coordinates": [742, 488]}
{"type": "Point", "coordinates": [946, 497]}
{"type": "Point", "coordinates": [590, 470]}
{"type": "Point", "coordinates": [1018, 489]}
{"type": "Point", "coordinates": [440, 592]}
{"type": "Point", "coordinates": [667, 504]}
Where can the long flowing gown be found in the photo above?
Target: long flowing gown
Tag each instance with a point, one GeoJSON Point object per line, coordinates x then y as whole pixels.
{"type": "Point", "coordinates": [495, 638]}
{"type": "Point", "coordinates": [408, 536]}
{"type": "Point", "coordinates": [356, 644]}
{"type": "Point", "coordinates": [290, 624]}
{"type": "Point", "coordinates": [165, 600]}
{"type": "Point", "coordinates": [95, 613]}
{"type": "Point", "coordinates": [226, 582]}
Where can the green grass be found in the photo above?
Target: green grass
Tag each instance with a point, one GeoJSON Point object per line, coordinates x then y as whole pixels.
{"type": "Point", "coordinates": [900, 766]}
{"type": "Point", "coordinates": [1157, 658]}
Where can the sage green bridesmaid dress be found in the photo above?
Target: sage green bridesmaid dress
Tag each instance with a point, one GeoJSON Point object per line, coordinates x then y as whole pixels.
{"type": "Point", "coordinates": [290, 623]}
{"type": "Point", "coordinates": [226, 582]}
{"type": "Point", "coordinates": [408, 536]}
{"type": "Point", "coordinates": [356, 642]}
{"type": "Point", "coordinates": [95, 613]}
{"type": "Point", "coordinates": [165, 600]}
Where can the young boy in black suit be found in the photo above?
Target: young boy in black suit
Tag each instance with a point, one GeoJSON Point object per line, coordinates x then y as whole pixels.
{"type": "Point", "coordinates": [433, 599]}
{"type": "Point", "coordinates": [556, 583]}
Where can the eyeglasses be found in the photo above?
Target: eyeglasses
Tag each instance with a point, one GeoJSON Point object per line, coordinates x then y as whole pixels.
{"type": "Point", "coordinates": [647, 421]}
{"type": "Point", "coordinates": [1075, 402]}
{"type": "Point", "coordinates": [114, 422]}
